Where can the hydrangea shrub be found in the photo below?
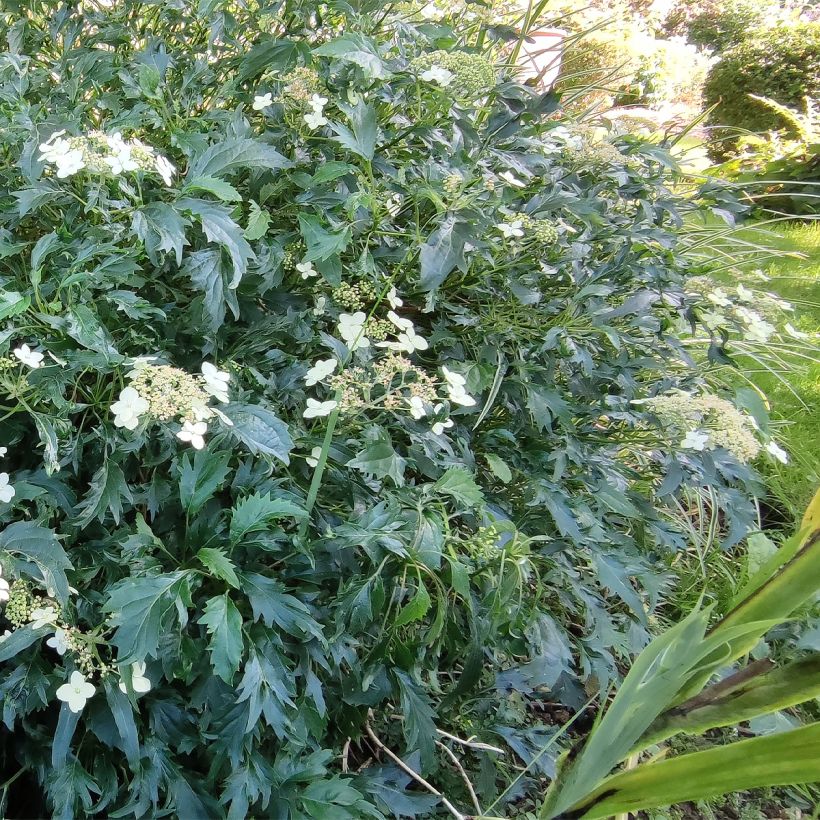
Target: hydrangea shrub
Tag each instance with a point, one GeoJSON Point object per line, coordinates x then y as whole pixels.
{"type": "Point", "coordinates": [325, 351]}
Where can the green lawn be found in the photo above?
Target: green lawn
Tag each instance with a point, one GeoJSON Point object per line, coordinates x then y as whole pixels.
{"type": "Point", "coordinates": [797, 416]}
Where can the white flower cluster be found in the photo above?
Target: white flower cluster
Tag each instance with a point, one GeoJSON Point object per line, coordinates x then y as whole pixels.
{"type": "Point", "coordinates": [162, 393]}
{"type": "Point", "coordinates": [7, 492]}
{"type": "Point", "coordinates": [103, 154]}
{"type": "Point", "coordinates": [315, 117]}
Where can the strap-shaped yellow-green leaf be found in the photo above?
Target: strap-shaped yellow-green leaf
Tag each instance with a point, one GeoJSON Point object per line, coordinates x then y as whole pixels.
{"type": "Point", "coordinates": [774, 760]}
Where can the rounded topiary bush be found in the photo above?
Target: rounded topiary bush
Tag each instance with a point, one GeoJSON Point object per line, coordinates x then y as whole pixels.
{"type": "Point", "coordinates": [323, 368]}
{"type": "Point", "coordinates": [782, 64]}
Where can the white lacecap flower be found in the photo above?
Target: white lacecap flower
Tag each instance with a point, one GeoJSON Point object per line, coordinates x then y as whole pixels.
{"type": "Point", "coordinates": [261, 101]}
{"type": "Point", "coordinates": [6, 490]}
{"type": "Point", "coordinates": [440, 426]}
{"type": "Point", "coordinates": [76, 692]}
{"type": "Point", "coordinates": [306, 269]}
{"type": "Point", "coordinates": [455, 388]}
{"type": "Point", "coordinates": [393, 298]}
{"type": "Point", "coordinates": [139, 683]}
{"type": "Point", "coordinates": [216, 381]}
{"type": "Point", "coordinates": [4, 589]}
{"type": "Point", "coordinates": [193, 433]}
{"type": "Point", "coordinates": [794, 332]}
{"type": "Point", "coordinates": [718, 297]}
{"type": "Point", "coordinates": [315, 119]}
{"type": "Point", "coordinates": [511, 179]}
{"type": "Point", "coordinates": [778, 452]}
{"type": "Point", "coordinates": [319, 309]}
{"type": "Point", "coordinates": [401, 323]}
{"type": "Point", "coordinates": [69, 163]}
{"type": "Point", "coordinates": [3, 451]}
{"type": "Point", "coordinates": [59, 641]}
{"type": "Point", "coordinates": [417, 410]}
{"type": "Point", "coordinates": [713, 319]}
{"type": "Point", "coordinates": [28, 356]}
{"type": "Point", "coordinates": [316, 409]}
{"type": "Point", "coordinates": [317, 103]}
{"type": "Point", "coordinates": [42, 616]}
{"type": "Point", "coordinates": [128, 409]}
{"type": "Point", "coordinates": [320, 371]}
{"type": "Point", "coordinates": [408, 342]}
{"type": "Point", "coordinates": [351, 329]}
{"type": "Point", "coordinates": [511, 229]}
{"type": "Point", "coordinates": [744, 294]}
{"type": "Point", "coordinates": [695, 440]}
{"type": "Point", "coordinates": [313, 458]}
{"type": "Point", "coordinates": [121, 160]}
{"type": "Point", "coordinates": [165, 169]}
{"type": "Point", "coordinates": [54, 147]}
{"type": "Point", "coordinates": [437, 74]}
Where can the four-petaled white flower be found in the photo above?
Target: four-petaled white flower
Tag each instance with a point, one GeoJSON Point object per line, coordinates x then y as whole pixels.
{"type": "Point", "coordinates": [513, 180]}
{"type": "Point", "coordinates": [193, 432]}
{"type": "Point", "coordinates": [351, 329]}
{"type": "Point", "coordinates": [76, 692]}
{"type": "Point", "coordinates": [3, 451]}
{"type": "Point", "coordinates": [718, 297]}
{"type": "Point", "coordinates": [313, 458]}
{"type": "Point", "coordinates": [316, 409]}
{"type": "Point", "coordinates": [54, 147]}
{"type": "Point", "coordinates": [320, 371]}
{"type": "Point", "coordinates": [315, 119]}
{"type": "Point", "coordinates": [794, 332]}
{"type": "Point", "coordinates": [59, 641]}
{"type": "Point", "coordinates": [216, 381]}
{"type": "Point", "coordinates": [6, 490]}
{"type": "Point", "coordinates": [319, 309]}
{"type": "Point", "coordinates": [139, 683]}
{"type": "Point", "coordinates": [778, 452]}
{"type": "Point", "coordinates": [306, 269]}
{"type": "Point", "coordinates": [440, 426]}
{"type": "Point", "coordinates": [511, 229]}
{"type": "Point", "coordinates": [120, 160]}
{"type": "Point", "coordinates": [455, 388]}
{"type": "Point", "coordinates": [393, 298]}
{"type": "Point", "coordinates": [417, 410]}
{"type": "Point", "coordinates": [318, 103]}
{"type": "Point", "coordinates": [695, 440]}
{"type": "Point", "coordinates": [59, 152]}
{"type": "Point", "coordinates": [744, 294]}
{"type": "Point", "coordinates": [4, 587]}
{"type": "Point", "coordinates": [261, 101]}
{"type": "Point", "coordinates": [128, 409]}
{"type": "Point", "coordinates": [165, 169]}
{"type": "Point", "coordinates": [28, 356]}
{"type": "Point", "coordinates": [437, 74]}
{"type": "Point", "coordinates": [42, 616]}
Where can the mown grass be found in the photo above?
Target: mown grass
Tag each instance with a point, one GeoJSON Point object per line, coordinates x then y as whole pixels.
{"type": "Point", "coordinates": [795, 407]}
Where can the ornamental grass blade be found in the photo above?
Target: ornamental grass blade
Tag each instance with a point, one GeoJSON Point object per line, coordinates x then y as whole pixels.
{"type": "Point", "coordinates": [660, 671]}
{"type": "Point", "coordinates": [786, 758]}
{"type": "Point", "coordinates": [758, 689]}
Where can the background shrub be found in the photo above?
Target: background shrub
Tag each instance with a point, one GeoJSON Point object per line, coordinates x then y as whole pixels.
{"type": "Point", "coordinates": [782, 64]}
{"type": "Point", "coordinates": [719, 25]}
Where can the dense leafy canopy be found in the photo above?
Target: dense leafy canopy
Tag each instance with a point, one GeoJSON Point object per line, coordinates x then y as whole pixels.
{"type": "Point", "coordinates": [445, 548]}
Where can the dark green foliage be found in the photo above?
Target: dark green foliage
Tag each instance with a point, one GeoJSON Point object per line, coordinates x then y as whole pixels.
{"type": "Point", "coordinates": [782, 63]}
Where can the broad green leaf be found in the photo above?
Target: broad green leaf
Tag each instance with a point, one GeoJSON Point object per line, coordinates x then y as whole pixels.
{"type": "Point", "coordinates": [418, 724]}
{"type": "Point", "coordinates": [782, 759]}
{"type": "Point", "coordinates": [162, 228]}
{"type": "Point", "coordinates": [218, 187]}
{"type": "Point", "coordinates": [332, 170]}
{"type": "Point", "coordinates": [254, 513]}
{"type": "Point", "coordinates": [759, 549]}
{"type": "Point", "coordinates": [219, 565]}
{"type": "Point", "coordinates": [200, 477]}
{"type": "Point", "coordinates": [210, 274]}
{"type": "Point", "coordinates": [499, 468]}
{"type": "Point", "coordinates": [226, 645]}
{"type": "Point", "coordinates": [357, 49]}
{"type": "Point", "coordinates": [107, 492]}
{"type": "Point", "coordinates": [258, 223]}
{"type": "Point", "coordinates": [39, 545]}
{"type": "Point", "coordinates": [275, 607]}
{"type": "Point", "coordinates": [43, 247]}
{"type": "Point", "coordinates": [84, 326]}
{"type": "Point", "coordinates": [272, 54]}
{"type": "Point", "coordinates": [459, 484]}
{"type": "Point", "coordinates": [227, 156]}
{"type": "Point", "coordinates": [21, 638]}
{"type": "Point", "coordinates": [332, 799]}
{"type": "Point", "coordinates": [362, 139]}
{"type": "Point", "coordinates": [142, 610]}
{"type": "Point", "coordinates": [442, 252]}
{"type": "Point", "coordinates": [13, 303]}
{"type": "Point", "coordinates": [260, 430]}
{"type": "Point", "coordinates": [321, 243]}
{"type": "Point", "coordinates": [416, 609]}
{"type": "Point", "coordinates": [219, 227]}
{"type": "Point", "coordinates": [380, 460]}
{"type": "Point", "coordinates": [123, 714]}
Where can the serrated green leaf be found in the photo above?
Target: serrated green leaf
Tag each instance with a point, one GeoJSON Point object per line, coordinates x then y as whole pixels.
{"type": "Point", "coordinates": [380, 460]}
{"type": "Point", "coordinates": [275, 607]}
{"type": "Point", "coordinates": [218, 187]}
{"type": "Point", "coordinates": [321, 243]}
{"type": "Point", "coordinates": [107, 492]}
{"type": "Point", "coordinates": [260, 430]}
{"type": "Point", "coordinates": [40, 546]}
{"type": "Point", "coordinates": [219, 565]}
{"type": "Point", "coordinates": [229, 155]}
{"type": "Point", "coordinates": [252, 514]}
{"type": "Point", "coordinates": [357, 49]}
{"type": "Point", "coordinates": [211, 275]}
{"type": "Point", "coordinates": [459, 484]}
{"type": "Point", "coordinates": [13, 303]}
{"type": "Point", "coordinates": [416, 609]}
{"type": "Point", "coordinates": [200, 477]}
{"type": "Point", "coordinates": [362, 139]}
{"type": "Point", "coordinates": [226, 645]}
{"type": "Point", "coordinates": [258, 222]}
{"type": "Point", "coordinates": [499, 468]}
{"type": "Point", "coordinates": [161, 228]}
{"type": "Point", "coordinates": [443, 252]}
{"type": "Point", "coordinates": [142, 610]}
